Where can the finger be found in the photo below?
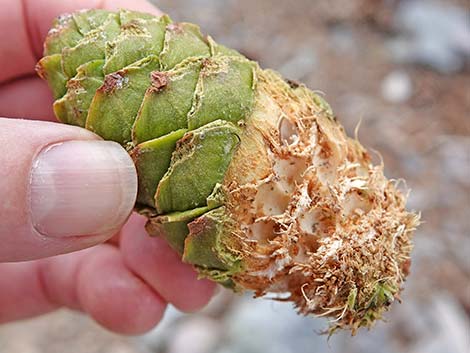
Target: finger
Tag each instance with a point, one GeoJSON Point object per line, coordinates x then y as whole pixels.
{"type": "Point", "coordinates": [62, 189]}
{"type": "Point", "coordinates": [27, 97]}
{"type": "Point", "coordinates": [24, 25]}
{"type": "Point", "coordinates": [115, 297]}
{"type": "Point", "coordinates": [94, 280]}
{"type": "Point", "coordinates": [21, 292]}
{"type": "Point", "coordinates": [154, 261]}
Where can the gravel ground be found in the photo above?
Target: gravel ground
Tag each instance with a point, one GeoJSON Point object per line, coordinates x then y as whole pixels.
{"type": "Point", "coordinates": [402, 70]}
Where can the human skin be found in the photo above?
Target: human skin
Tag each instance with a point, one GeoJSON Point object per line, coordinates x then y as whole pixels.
{"type": "Point", "coordinates": [122, 278]}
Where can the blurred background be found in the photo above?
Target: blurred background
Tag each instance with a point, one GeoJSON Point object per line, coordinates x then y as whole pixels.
{"type": "Point", "coordinates": [402, 68]}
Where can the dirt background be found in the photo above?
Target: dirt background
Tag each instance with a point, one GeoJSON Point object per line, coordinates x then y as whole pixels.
{"type": "Point", "coordinates": [401, 69]}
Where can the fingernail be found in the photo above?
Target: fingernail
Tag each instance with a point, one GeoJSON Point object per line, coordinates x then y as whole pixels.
{"type": "Point", "coordinates": [82, 188]}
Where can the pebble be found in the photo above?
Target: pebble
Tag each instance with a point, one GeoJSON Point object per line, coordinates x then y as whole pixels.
{"type": "Point", "coordinates": [196, 335]}
{"type": "Point", "coordinates": [261, 325]}
{"type": "Point", "coordinates": [432, 33]}
{"type": "Point", "coordinates": [447, 327]}
{"type": "Point", "coordinates": [300, 64]}
{"type": "Point", "coordinates": [397, 87]}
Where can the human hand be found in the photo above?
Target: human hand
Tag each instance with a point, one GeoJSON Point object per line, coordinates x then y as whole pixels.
{"type": "Point", "coordinates": [63, 189]}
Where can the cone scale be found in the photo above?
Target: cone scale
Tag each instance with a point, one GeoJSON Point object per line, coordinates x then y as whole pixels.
{"type": "Point", "coordinates": [248, 176]}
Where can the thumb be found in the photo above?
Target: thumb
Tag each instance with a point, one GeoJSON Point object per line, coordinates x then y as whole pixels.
{"type": "Point", "coordinates": [61, 189]}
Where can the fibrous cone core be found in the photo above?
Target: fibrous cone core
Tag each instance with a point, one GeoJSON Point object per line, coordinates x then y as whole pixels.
{"type": "Point", "coordinates": [248, 176]}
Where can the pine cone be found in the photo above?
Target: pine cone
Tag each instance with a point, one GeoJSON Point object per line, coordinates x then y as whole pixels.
{"type": "Point", "coordinates": [248, 176]}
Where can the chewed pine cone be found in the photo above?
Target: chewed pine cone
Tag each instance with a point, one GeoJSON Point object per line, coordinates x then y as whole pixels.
{"type": "Point", "coordinates": [249, 176]}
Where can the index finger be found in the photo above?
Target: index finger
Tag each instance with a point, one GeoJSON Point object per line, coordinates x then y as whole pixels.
{"type": "Point", "coordinates": [24, 26]}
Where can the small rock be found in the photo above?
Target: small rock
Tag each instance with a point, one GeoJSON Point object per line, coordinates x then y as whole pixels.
{"type": "Point", "coordinates": [454, 155]}
{"type": "Point", "coordinates": [397, 87]}
{"type": "Point", "coordinates": [432, 33]}
{"type": "Point", "coordinates": [195, 335]}
{"type": "Point", "coordinates": [300, 64]}
{"type": "Point", "coordinates": [158, 338]}
{"type": "Point", "coordinates": [343, 40]}
{"type": "Point", "coordinates": [447, 330]}
{"type": "Point", "coordinates": [260, 326]}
